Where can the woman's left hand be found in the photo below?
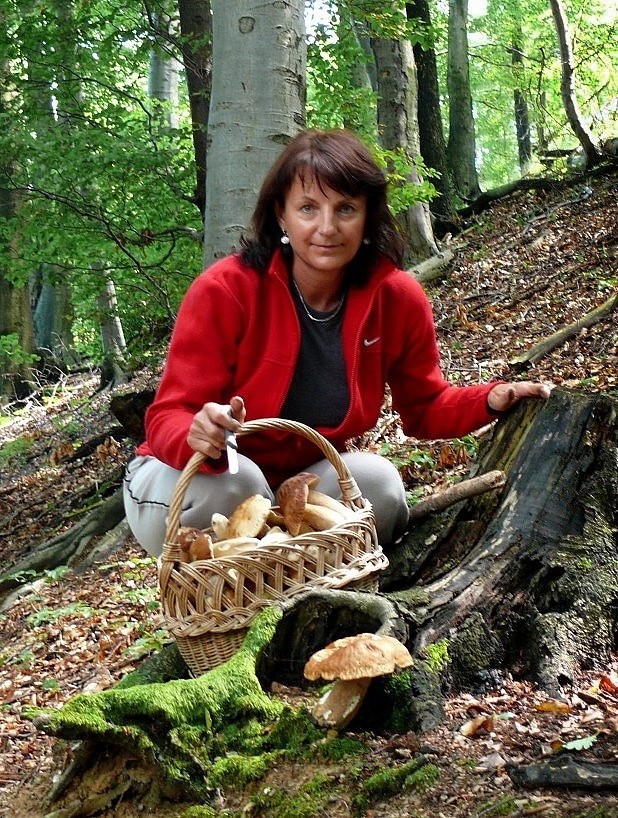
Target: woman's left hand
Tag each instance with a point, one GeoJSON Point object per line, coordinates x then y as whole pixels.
{"type": "Point", "coordinates": [505, 395]}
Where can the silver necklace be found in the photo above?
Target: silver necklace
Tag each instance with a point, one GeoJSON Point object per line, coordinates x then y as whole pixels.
{"type": "Point", "coordinates": [329, 317]}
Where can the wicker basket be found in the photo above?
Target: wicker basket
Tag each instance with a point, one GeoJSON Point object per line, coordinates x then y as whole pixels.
{"type": "Point", "coordinates": [209, 604]}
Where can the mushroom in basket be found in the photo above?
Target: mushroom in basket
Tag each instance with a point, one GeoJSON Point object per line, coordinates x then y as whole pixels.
{"type": "Point", "coordinates": [301, 503]}
{"type": "Point", "coordinates": [353, 662]}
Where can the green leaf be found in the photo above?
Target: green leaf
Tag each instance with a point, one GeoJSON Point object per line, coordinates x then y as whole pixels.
{"type": "Point", "coordinates": [581, 743]}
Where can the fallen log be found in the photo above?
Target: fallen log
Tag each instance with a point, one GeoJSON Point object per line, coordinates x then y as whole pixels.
{"type": "Point", "coordinates": [565, 771]}
{"type": "Point", "coordinates": [556, 339]}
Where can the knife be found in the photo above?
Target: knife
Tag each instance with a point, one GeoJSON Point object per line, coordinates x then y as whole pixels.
{"type": "Point", "coordinates": [232, 448]}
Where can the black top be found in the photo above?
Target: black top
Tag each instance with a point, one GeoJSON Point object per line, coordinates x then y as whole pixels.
{"type": "Point", "coordinates": [319, 393]}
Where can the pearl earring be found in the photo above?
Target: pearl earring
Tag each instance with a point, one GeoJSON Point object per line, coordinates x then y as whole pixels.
{"type": "Point", "coordinates": [284, 238]}
{"type": "Point", "coordinates": [366, 240]}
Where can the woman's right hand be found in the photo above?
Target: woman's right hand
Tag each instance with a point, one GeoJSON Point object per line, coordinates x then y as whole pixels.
{"type": "Point", "coordinates": [207, 430]}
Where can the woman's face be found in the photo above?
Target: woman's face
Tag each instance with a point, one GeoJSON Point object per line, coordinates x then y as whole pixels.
{"type": "Point", "coordinates": [325, 227]}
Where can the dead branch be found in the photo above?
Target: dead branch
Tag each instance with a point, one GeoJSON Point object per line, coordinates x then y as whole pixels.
{"type": "Point", "coordinates": [434, 267]}
{"type": "Point", "coordinates": [550, 343]}
{"type": "Point", "coordinates": [460, 491]}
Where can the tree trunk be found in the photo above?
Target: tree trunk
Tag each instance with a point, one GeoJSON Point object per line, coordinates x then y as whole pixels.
{"type": "Point", "coordinates": [112, 337]}
{"type": "Point", "coordinates": [567, 85]}
{"type": "Point", "coordinates": [163, 80]}
{"type": "Point", "coordinates": [525, 580]}
{"type": "Point", "coordinates": [522, 118]}
{"type": "Point", "coordinates": [461, 147]}
{"type": "Point", "coordinates": [257, 105]}
{"type": "Point", "coordinates": [398, 126]}
{"type": "Point", "coordinates": [196, 31]}
{"type": "Point", "coordinates": [430, 127]}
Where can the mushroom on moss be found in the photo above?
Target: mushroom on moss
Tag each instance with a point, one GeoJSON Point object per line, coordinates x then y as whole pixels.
{"type": "Point", "coordinates": [353, 662]}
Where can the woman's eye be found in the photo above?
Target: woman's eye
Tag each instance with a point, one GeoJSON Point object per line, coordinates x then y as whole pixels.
{"type": "Point", "coordinates": [306, 208]}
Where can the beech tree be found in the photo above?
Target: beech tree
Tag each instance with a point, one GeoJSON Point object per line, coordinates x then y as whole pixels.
{"type": "Point", "coordinates": [256, 106]}
{"type": "Point", "coordinates": [567, 85]}
{"type": "Point", "coordinates": [461, 146]}
{"type": "Point", "coordinates": [398, 131]}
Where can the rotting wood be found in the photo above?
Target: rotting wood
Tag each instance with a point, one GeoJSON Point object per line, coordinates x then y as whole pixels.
{"type": "Point", "coordinates": [565, 771]}
{"type": "Point", "coordinates": [434, 267]}
{"type": "Point", "coordinates": [558, 338]}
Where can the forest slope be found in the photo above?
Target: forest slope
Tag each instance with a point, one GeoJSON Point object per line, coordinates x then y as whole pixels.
{"type": "Point", "coordinates": [528, 267]}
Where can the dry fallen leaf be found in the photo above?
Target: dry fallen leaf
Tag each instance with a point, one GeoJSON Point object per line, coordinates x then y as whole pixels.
{"type": "Point", "coordinates": [553, 706]}
{"type": "Point", "coordinates": [476, 725]}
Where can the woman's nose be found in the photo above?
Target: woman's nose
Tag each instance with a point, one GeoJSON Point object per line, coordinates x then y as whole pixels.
{"type": "Point", "coordinates": [327, 222]}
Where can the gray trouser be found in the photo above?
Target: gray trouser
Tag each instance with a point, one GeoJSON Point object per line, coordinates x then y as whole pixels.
{"type": "Point", "coordinates": [149, 485]}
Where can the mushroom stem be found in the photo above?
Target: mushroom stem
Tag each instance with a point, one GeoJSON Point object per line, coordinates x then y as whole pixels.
{"type": "Point", "coordinates": [338, 706]}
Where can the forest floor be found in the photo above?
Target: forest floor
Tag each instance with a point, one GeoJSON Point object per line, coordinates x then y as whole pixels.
{"type": "Point", "coordinates": [526, 268]}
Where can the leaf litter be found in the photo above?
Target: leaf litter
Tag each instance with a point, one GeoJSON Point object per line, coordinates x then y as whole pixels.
{"type": "Point", "coordinates": [524, 269]}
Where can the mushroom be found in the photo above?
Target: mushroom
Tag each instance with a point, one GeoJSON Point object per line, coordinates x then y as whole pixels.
{"type": "Point", "coordinates": [292, 498]}
{"type": "Point", "coordinates": [195, 544]}
{"type": "Point", "coordinates": [353, 662]}
{"type": "Point", "coordinates": [248, 518]}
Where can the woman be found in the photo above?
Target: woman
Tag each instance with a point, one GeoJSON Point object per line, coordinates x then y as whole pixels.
{"type": "Point", "coordinates": [309, 322]}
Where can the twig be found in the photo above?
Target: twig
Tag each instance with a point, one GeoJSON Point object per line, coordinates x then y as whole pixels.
{"type": "Point", "coordinates": [460, 491]}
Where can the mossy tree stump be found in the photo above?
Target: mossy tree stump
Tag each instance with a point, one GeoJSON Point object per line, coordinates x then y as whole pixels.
{"type": "Point", "coordinates": [525, 579]}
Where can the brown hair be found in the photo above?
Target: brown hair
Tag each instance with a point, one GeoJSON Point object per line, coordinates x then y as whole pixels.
{"type": "Point", "coordinates": [337, 159]}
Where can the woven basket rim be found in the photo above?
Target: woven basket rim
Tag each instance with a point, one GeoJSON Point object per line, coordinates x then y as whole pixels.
{"type": "Point", "coordinates": [351, 494]}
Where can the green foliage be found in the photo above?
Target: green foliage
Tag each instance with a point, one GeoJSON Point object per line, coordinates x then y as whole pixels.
{"type": "Point", "coordinates": [104, 186]}
{"type": "Point", "coordinates": [118, 184]}
{"type": "Point", "coordinates": [47, 615]}
{"type": "Point", "coordinates": [12, 354]}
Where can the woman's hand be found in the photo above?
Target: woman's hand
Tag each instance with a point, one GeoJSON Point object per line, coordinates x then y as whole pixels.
{"type": "Point", "coordinates": [207, 431]}
{"type": "Point", "coordinates": [505, 395]}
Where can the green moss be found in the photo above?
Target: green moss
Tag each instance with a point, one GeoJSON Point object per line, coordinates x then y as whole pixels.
{"type": "Point", "coordinates": [414, 596]}
{"type": "Point", "coordinates": [505, 805]}
{"type": "Point", "coordinates": [309, 800]}
{"type": "Point", "coordinates": [437, 656]}
{"type": "Point", "coordinates": [294, 731]}
{"type": "Point", "coordinates": [240, 770]}
{"type": "Point", "coordinates": [416, 774]}
{"type": "Point", "coordinates": [337, 749]}
{"type": "Point", "coordinates": [178, 726]}
{"type": "Point", "coordinates": [474, 648]}
{"type": "Point", "coordinates": [199, 812]}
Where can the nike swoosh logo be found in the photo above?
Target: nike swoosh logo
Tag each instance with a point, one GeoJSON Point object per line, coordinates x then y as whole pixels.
{"type": "Point", "coordinates": [369, 342]}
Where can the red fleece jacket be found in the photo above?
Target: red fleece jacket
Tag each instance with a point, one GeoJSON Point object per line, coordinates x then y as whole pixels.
{"type": "Point", "coordinates": [237, 333]}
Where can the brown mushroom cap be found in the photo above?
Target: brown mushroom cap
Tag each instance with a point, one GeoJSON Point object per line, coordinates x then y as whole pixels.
{"type": "Point", "coordinates": [292, 498]}
{"type": "Point", "coordinates": [364, 655]}
{"type": "Point", "coordinates": [248, 518]}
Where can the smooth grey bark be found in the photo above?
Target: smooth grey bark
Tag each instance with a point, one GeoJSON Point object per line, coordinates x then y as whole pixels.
{"type": "Point", "coordinates": [53, 316]}
{"type": "Point", "coordinates": [461, 146]}
{"type": "Point", "coordinates": [257, 105]}
{"type": "Point", "coordinates": [163, 72]}
{"type": "Point", "coordinates": [112, 336]}
{"type": "Point", "coordinates": [567, 86]}
{"type": "Point", "coordinates": [398, 130]}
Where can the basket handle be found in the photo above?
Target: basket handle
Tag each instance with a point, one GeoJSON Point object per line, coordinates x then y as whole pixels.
{"type": "Point", "coordinates": [349, 489]}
